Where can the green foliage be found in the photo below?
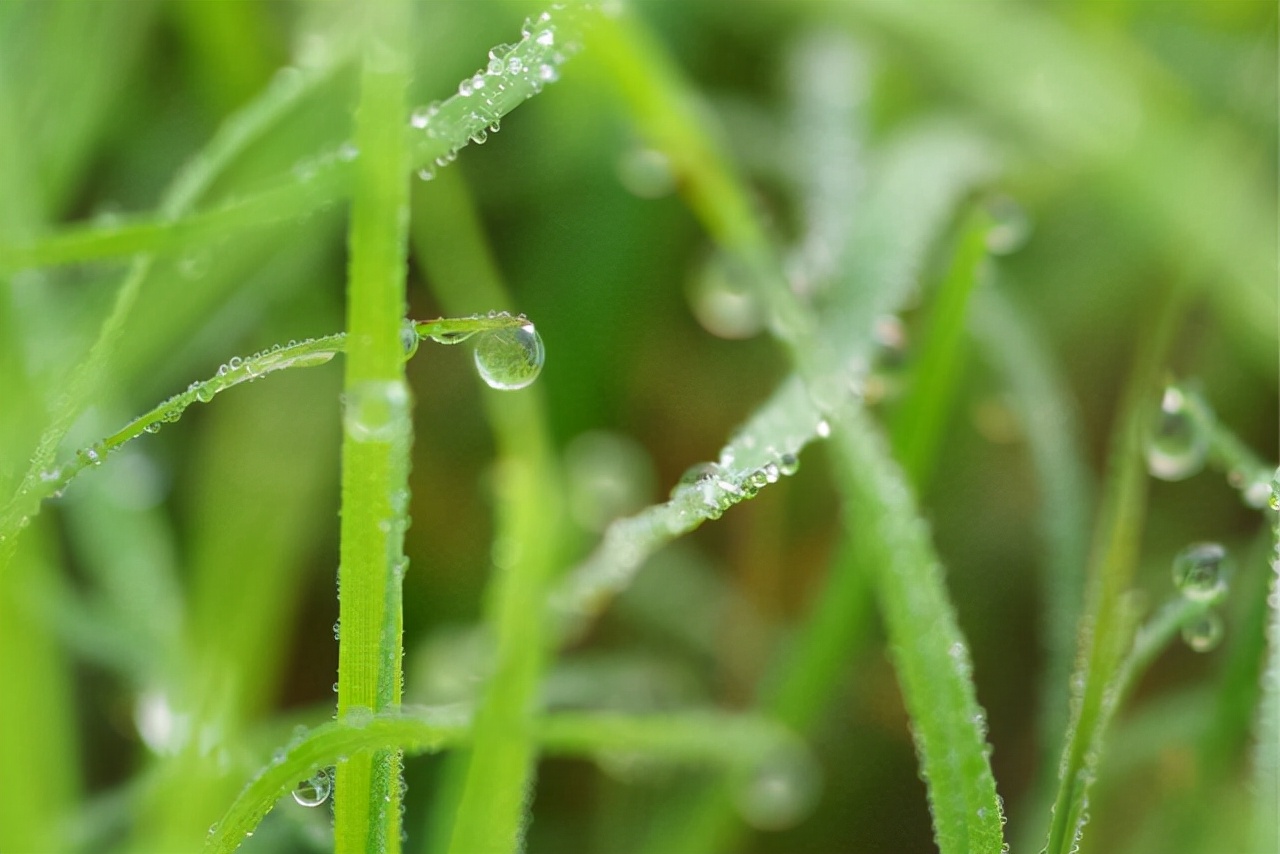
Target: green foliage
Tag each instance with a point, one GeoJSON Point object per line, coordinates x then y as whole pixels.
{"type": "Point", "coordinates": [958, 226]}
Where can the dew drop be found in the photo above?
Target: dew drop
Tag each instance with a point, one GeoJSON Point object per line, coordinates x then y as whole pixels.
{"type": "Point", "coordinates": [464, 88]}
{"type": "Point", "coordinates": [510, 359]}
{"type": "Point", "coordinates": [427, 173]}
{"type": "Point", "coordinates": [1177, 446]}
{"type": "Point", "coordinates": [153, 427]}
{"type": "Point", "coordinates": [546, 38]}
{"type": "Point", "coordinates": [315, 791]}
{"type": "Point", "coordinates": [480, 136]}
{"type": "Point", "coordinates": [722, 300]}
{"type": "Point", "coordinates": [548, 73]}
{"type": "Point", "coordinates": [823, 429]}
{"type": "Point", "coordinates": [204, 393]}
{"type": "Point", "coordinates": [1010, 226]}
{"type": "Point", "coordinates": [1204, 633]}
{"type": "Point", "coordinates": [788, 464]}
{"type": "Point", "coordinates": [780, 791]}
{"type": "Point", "coordinates": [377, 410]}
{"type": "Point", "coordinates": [409, 339]}
{"type": "Point", "coordinates": [1200, 570]}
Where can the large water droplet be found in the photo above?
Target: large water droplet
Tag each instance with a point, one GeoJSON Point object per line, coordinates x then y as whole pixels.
{"type": "Point", "coordinates": [1204, 633]}
{"type": "Point", "coordinates": [1177, 446]}
{"type": "Point", "coordinates": [511, 358]}
{"type": "Point", "coordinates": [1200, 570]}
{"type": "Point", "coordinates": [377, 410]}
{"type": "Point", "coordinates": [315, 791]}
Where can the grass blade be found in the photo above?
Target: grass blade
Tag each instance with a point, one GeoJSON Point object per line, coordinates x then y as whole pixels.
{"type": "Point", "coordinates": [930, 656]}
{"type": "Point", "coordinates": [377, 436]}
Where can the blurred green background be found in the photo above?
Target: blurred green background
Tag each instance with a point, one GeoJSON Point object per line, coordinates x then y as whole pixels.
{"type": "Point", "coordinates": [192, 577]}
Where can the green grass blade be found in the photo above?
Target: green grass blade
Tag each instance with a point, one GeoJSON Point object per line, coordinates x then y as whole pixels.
{"type": "Point", "coordinates": [529, 511]}
{"type": "Point", "coordinates": [437, 133]}
{"type": "Point", "coordinates": [377, 436]}
{"type": "Point", "coordinates": [930, 655]}
{"type": "Point", "coordinates": [1266, 754]}
{"type": "Point", "coordinates": [1108, 620]}
{"type": "Point", "coordinates": [917, 425]}
{"type": "Point", "coordinates": [338, 743]}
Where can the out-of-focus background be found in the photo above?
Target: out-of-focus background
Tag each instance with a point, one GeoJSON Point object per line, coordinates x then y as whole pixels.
{"type": "Point", "coordinates": [1138, 143]}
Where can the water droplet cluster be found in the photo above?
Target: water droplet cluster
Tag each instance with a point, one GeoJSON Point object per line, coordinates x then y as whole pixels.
{"type": "Point", "coordinates": [513, 73]}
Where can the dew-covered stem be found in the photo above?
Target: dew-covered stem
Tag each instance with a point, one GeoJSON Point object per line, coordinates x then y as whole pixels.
{"type": "Point", "coordinates": [1266, 753]}
{"type": "Point", "coordinates": [377, 437]}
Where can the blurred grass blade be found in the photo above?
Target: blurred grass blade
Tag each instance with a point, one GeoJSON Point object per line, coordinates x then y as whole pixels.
{"type": "Point", "coordinates": [1044, 406]}
{"type": "Point", "coordinates": [1266, 755]}
{"type": "Point", "coordinates": [1107, 625]}
{"type": "Point", "coordinates": [917, 425]}
{"type": "Point", "coordinates": [449, 241]}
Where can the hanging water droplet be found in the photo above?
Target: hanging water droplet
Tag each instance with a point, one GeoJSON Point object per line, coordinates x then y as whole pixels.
{"type": "Point", "coordinates": [153, 427]}
{"type": "Point", "coordinates": [409, 339]}
{"type": "Point", "coordinates": [780, 791]}
{"type": "Point", "coordinates": [377, 410]}
{"type": "Point", "coordinates": [548, 73]}
{"type": "Point", "coordinates": [479, 137]}
{"type": "Point", "coordinates": [315, 791]}
{"type": "Point", "coordinates": [1200, 571]}
{"type": "Point", "coordinates": [1177, 446]}
{"type": "Point", "coordinates": [464, 88]}
{"type": "Point", "coordinates": [1204, 633]}
{"type": "Point", "coordinates": [427, 173]}
{"type": "Point", "coordinates": [510, 359]}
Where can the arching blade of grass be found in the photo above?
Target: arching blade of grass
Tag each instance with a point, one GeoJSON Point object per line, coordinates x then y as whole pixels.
{"type": "Point", "coordinates": [1108, 622]}
{"type": "Point", "coordinates": [377, 437]}
{"type": "Point", "coordinates": [734, 741]}
{"type": "Point", "coordinates": [931, 170]}
{"type": "Point", "coordinates": [1011, 345]}
{"type": "Point", "coordinates": [434, 138]}
{"type": "Point", "coordinates": [351, 736]}
{"type": "Point", "coordinates": [529, 506]}
{"type": "Point", "coordinates": [236, 135]}
{"type": "Point", "coordinates": [929, 653]}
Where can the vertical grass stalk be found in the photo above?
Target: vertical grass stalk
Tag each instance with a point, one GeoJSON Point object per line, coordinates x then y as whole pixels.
{"type": "Point", "coordinates": [377, 433]}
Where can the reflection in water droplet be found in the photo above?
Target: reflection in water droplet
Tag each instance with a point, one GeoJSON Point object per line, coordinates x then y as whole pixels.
{"type": "Point", "coordinates": [1177, 446]}
{"type": "Point", "coordinates": [1200, 570]}
{"type": "Point", "coordinates": [1204, 633]}
{"type": "Point", "coordinates": [510, 359]}
{"type": "Point", "coordinates": [314, 792]}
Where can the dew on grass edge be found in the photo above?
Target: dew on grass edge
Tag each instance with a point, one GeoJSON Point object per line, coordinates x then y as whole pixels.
{"type": "Point", "coordinates": [510, 359]}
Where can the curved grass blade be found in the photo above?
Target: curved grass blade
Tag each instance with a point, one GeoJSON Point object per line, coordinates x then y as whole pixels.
{"type": "Point", "coordinates": [436, 134]}
{"type": "Point", "coordinates": [357, 731]}
{"type": "Point", "coordinates": [1108, 620]}
{"type": "Point", "coordinates": [930, 655]}
{"type": "Point", "coordinates": [296, 354]}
